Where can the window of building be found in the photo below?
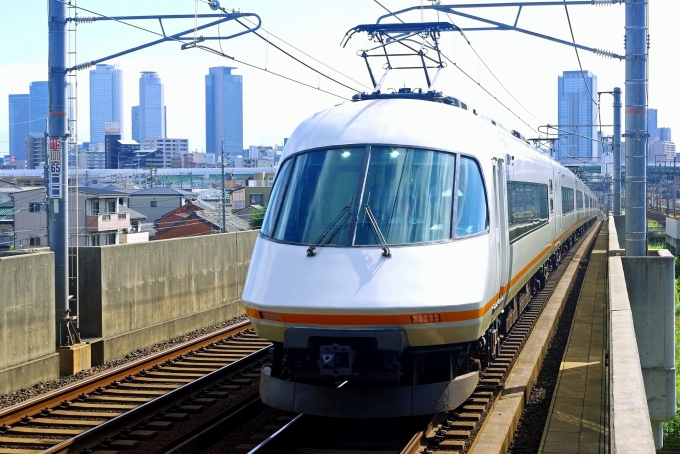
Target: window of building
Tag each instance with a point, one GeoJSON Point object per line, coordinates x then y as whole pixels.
{"type": "Point", "coordinates": [257, 199]}
{"type": "Point", "coordinates": [154, 204]}
{"type": "Point", "coordinates": [94, 240]}
{"type": "Point", "coordinates": [567, 200]}
{"type": "Point", "coordinates": [95, 207]}
{"type": "Point", "coordinates": [111, 206]}
{"type": "Point", "coordinates": [579, 200]}
{"type": "Point", "coordinates": [110, 238]}
{"type": "Point", "coordinates": [34, 207]}
{"type": "Point", "coordinates": [34, 241]}
{"type": "Point", "coordinates": [527, 208]}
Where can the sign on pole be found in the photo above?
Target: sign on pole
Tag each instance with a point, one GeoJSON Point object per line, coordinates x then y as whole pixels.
{"type": "Point", "coordinates": [55, 168]}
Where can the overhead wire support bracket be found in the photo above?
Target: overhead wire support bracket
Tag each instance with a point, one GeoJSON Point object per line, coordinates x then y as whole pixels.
{"type": "Point", "coordinates": [178, 37]}
{"type": "Point", "coordinates": [495, 25]}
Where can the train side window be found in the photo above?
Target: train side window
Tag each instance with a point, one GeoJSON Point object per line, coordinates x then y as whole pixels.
{"type": "Point", "coordinates": [550, 187]}
{"type": "Point", "coordinates": [567, 200]}
{"type": "Point", "coordinates": [552, 207]}
{"type": "Point", "coordinates": [527, 208]}
{"type": "Point", "coordinates": [579, 200]}
{"type": "Point", "coordinates": [471, 213]}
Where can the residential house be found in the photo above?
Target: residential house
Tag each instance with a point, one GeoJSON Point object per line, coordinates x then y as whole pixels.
{"type": "Point", "coordinates": [136, 233]}
{"type": "Point", "coordinates": [178, 214]}
{"type": "Point", "coordinates": [256, 192]}
{"type": "Point", "coordinates": [23, 218]}
{"type": "Point", "coordinates": [155, 202]}
{"type": "Point", "coordinates": [202, 222]}
{"type": "Point", "coordinates": [247, 212]}
{"type": "Point", "coordinates": [101, 218]}
{"type": "Point", "coordinates": [6, 226]}
{"type": "Point", "coordinates": [30, 218]}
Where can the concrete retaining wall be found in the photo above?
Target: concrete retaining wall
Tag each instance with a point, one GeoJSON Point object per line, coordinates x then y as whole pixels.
{"type": "Point", "coordinates": [642, 346]}
{"type": "Point", "coordinates": [136, 295]}
{"type": "Point", "coordinates": [27, 321]}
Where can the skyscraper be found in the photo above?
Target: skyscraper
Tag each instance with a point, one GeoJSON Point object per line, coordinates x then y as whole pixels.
{"type": "Point", "coordinates": [664, 134]}
{"type": "Point", "coordinates": [38, 107]}
{"type": "Point", "coordinates": [151, 107]}
{"type": "Point", "coordinates": [135, 124]}
{"type": "Point", "coordinates": [652, 124]}
{"type": "Point", "coordinates": [223, 111]}
{"type": "Point", "coordinates": [106, 100]}
{"type": "Point", "coordinates": [577, 114]}
{"type": "Point", "coordinates": [18, 125]}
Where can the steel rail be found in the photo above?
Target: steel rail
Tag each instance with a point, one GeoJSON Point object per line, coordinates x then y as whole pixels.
{"type": "Point", "coordinates": [15, 413]}
{"type": "Point", "coordinates": [92, 436]}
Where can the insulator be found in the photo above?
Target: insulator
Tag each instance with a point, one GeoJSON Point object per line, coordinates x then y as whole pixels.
{"type": "Point", "coordinates": [605, 53]}
{"type": "Point", "coordinates": [84, 65]}
{"type": "Point", "coordinates": [85, 19]}
{"type": "Point", "coordinates": [604, 2]}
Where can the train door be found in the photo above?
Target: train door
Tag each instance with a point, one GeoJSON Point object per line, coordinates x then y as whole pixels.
{"type": "Point", "coordinates": [503, 267]}
{"type": "Point", "coordinates": [558, 204]}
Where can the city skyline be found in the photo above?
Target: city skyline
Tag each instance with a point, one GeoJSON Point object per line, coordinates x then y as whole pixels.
{"type": "Point", "coordinates": [273, 106]}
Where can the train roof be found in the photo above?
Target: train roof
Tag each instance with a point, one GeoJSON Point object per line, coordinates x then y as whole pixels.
{"type": "Point", "coordinates": [391, 119]}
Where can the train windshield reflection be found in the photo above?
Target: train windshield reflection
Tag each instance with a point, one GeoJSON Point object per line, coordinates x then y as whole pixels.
{"type": "Point", "coordinates": [409, 190]}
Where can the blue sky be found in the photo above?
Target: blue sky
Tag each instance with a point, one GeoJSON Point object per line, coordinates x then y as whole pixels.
{"type": "Point", "coordinates": [527, 67]}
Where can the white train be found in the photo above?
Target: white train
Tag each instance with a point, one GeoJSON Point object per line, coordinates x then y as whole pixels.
{"type": "Point", "coordinates": [403, 236]}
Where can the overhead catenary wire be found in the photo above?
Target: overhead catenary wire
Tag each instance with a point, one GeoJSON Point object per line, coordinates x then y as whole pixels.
{"type": "Point", "coordinates": [214, 51]}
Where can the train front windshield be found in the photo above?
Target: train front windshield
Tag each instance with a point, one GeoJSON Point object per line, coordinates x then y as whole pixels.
{"type": "Point", "coordinates": [325, 197]}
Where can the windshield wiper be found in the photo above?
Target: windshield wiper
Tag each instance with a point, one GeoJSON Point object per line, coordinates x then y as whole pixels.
{"type": "Point", "coordinates": [378, 232]}
{"type": "Point", "coordinates": [346, 212]}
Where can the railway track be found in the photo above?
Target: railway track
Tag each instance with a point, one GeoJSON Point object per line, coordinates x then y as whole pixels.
{"type": "Point", "coordinates": [452, 432]}
{"type": "Point", "coordinates": [198, 373]}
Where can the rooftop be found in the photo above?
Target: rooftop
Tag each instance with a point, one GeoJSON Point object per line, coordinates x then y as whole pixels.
{"type": "Point", "coordinates": [158, 190]}
{"type": "Point", "coordinates": [234, 223]}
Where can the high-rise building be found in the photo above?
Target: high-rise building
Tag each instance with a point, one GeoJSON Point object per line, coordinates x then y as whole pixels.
{"type": "Point", "coordinates": [106, 100]}
{"type": "Point", "coordinates": [223, 111]}
{"type": "Point", "coordinates": [577, 117]}
{"type": "Point", "coordinates": [151, 115]}
{"type": "Point", "coordinates": [18, 124]}
{"type": "Point", "coordinates": [38, 107]}
{"type": "Point", "coordinates": [665, 134]}
{"type": "Point", "coordinates": [135, 124]}
{"type": "Point", "coordinates": [167, 150]}
{"type": "Point", "coordinates": [36, 151]}
{"type": "Point", "coordinates": [653, 124]}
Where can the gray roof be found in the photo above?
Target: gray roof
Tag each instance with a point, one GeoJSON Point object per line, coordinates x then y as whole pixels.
{"type": "Point", "coordinates": [133, 214]}
{"type": "Point", "coordinates": [234, 223]}
{"type": "Point", "coordinates": [162, 191]}
{"type": "Point", "coordinates": [98, 191]}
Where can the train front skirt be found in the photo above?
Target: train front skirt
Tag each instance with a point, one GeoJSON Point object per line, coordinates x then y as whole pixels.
{"type": "Point", "coordinates": [359, 402]}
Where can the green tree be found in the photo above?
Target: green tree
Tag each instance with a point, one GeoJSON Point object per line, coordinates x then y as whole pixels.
{"type": "Point", "coordinates": [256, 217]}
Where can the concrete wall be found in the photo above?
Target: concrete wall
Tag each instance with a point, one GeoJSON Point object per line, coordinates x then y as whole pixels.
{"type": "Point", "coordinates": [27, 321]}
{"type": "Point", "coordinates": [135, 295]}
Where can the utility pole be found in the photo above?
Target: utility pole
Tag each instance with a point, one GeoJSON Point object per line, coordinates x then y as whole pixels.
{"type": "Point", "coordinates": [58, 176]}
{"type": "Point", "coordinates": [617, 151]}
{"type": "Point", "coordinates": [224, 196]}
{"type": "Point", "coordinates": [636, 127]}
